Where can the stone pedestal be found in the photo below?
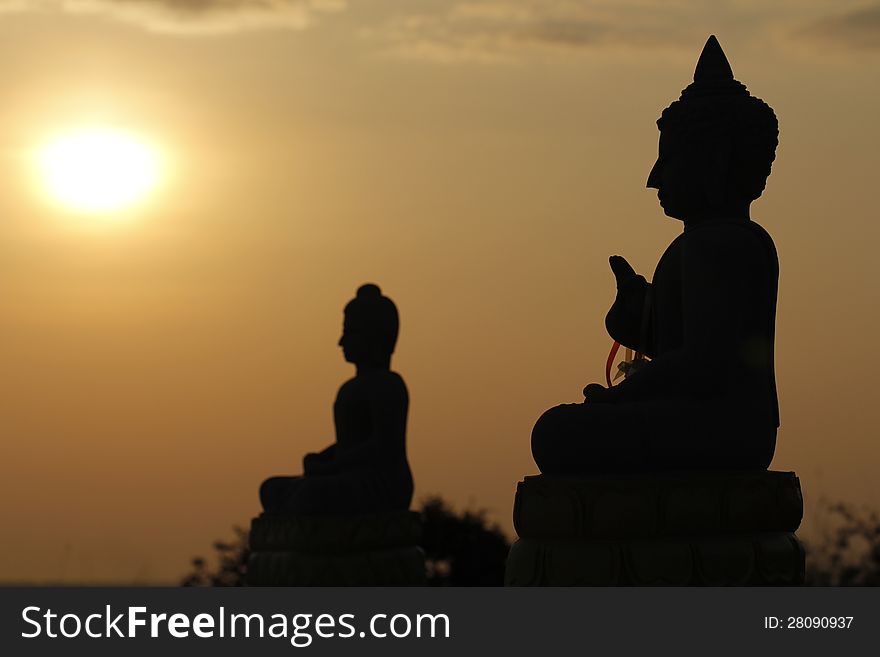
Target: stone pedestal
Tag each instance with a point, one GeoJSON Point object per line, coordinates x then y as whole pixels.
{"type": "Point", "coordinates": [364, 550]}
{"type": "Point", "coordinates": [670, 529]}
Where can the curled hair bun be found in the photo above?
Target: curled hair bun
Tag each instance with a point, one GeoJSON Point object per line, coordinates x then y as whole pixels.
{"type": "Point", "coordinates": [369, 291]}
{"type": "Point", "coordinates": [375, 315]}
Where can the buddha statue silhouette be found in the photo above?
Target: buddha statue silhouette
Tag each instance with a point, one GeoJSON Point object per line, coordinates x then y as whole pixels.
{"type": "Point", "coordinates": [707, 397]}
{"type": "Point", "coordinates": [366, 469]}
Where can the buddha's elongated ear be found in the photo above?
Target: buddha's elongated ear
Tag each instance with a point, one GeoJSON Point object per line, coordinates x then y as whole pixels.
{"type": "Point", "coordinates": [716, 170]}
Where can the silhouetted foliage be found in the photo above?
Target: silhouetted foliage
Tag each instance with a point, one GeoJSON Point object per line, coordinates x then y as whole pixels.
{"type": "Point", "coordinates": [847, 552]}
{"type": "Point", "coordinates": [231, 566]}
{"type": "Point", "coordinates": [461, 549]}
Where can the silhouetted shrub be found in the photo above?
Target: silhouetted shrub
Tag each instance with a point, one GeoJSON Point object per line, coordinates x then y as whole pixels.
{"type": "Point", "coordinates": [231, 566]}
{"type": "Point", "coordinates": [461, 549]}
{"type": "Point", "coordinates": [847, 552]}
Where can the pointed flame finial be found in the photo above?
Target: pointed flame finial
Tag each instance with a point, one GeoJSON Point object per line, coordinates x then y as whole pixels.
{"type": "Point", "coordinates": [713, 65]}
{"type": "Point", "coordinates": [713, 75]}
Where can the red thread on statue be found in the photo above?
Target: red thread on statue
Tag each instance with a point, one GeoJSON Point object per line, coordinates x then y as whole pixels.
{"type": "Point", "coordinates": [614, 349]}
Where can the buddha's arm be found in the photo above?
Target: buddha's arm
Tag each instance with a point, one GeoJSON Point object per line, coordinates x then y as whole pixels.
{"type": "Point", "coordinates": [388, 410]}
{"type": "Point", "coordinates": [628, 320]}
{"type": "Point", "coordinates": [321, 462]}
{"type": "Point", "coordinates": [718, 267]}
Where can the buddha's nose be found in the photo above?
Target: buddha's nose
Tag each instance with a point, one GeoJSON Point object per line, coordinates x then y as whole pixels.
{"type": "Point", "coordinates": [654, 176]}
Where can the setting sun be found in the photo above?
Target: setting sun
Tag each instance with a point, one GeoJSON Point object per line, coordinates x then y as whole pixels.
{"type": "Point", "coordinates": [98, 170]}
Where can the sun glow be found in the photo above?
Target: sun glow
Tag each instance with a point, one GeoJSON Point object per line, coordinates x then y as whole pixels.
{"type": "Point", "coordinates": [98, 170]}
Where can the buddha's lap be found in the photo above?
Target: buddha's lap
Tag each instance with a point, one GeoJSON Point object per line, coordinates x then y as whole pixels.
{"type": "Point", "coordinates": [344, 493]}
{"type": "Point", "coordinates": [651, 436]}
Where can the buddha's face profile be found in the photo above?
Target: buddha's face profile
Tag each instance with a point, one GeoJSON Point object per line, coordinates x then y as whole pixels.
{"type": "Point", "coordinates": [678, 179]}
{"type": "Point", "coordinates": [691, 177]}
{"type": "Point", "coordinates": [713, 173]}
{"type": "Point", "coordinates": [351, 343]}
{"type": "Point", "coordinates": [355, 342]}
{"type": "Point", "coordinates": [369, 329]}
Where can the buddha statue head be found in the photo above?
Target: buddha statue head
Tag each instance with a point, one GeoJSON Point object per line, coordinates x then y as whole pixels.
{"type": "Point", "coordinates": [370, 328]}
{"type": "Point", "coordinates": [717, 144]}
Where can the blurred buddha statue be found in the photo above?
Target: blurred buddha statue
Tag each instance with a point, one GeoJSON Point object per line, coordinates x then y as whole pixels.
{"type": "Point", "coordinates": [366, 469]}
{"type": "Point", "coordinates": [706, 399]}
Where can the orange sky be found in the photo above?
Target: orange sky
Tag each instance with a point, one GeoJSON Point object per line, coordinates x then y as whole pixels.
{"type": "Point", "coordinates": [479, 160]}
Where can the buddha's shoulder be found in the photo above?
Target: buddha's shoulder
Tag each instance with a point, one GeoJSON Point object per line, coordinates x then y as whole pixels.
{"type": "Point", "coordinates": [731, 235]}
{"type": "Point", "coordinates": [351, 387]}
{"type": "Point", "coordinates": [394, 381]}
{"type": "Point", "coordinates": [384, 383]}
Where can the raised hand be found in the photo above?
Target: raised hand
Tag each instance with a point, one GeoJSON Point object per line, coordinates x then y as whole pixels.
{"type": "Point", "coordinates": [623, 271]}
{"type": "Point", "coordinates": [625, 321]}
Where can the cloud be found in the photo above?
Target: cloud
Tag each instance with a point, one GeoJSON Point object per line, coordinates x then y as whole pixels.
{"type": "Point", "coordinates": [189, 16]}
{"type": "Point", "coordinates": [505, 30]}
{"type": "Point", "coordinates": [498, 30]}
{"type": "Point", "coordinates": [855, 29]}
